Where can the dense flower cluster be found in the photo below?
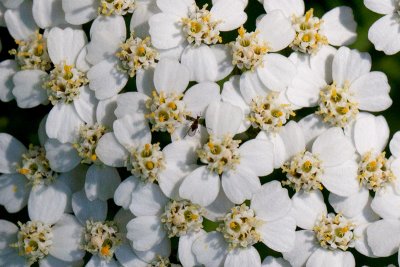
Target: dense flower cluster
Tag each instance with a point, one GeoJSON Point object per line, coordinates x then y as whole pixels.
{"type": "Point", "coordinates": [195, 125]}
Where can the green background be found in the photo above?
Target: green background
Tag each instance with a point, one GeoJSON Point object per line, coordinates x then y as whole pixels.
{"type": "Point", "coordinates": [23, 123]}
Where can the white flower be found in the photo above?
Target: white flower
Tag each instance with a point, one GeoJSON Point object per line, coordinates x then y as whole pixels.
{"type": "Point", "coordinates": [243, 226]}
{"type": "Point", "coordinates": [326, 237]}
{"type": "Point", "coordinates": [238, 167]}
{"type": "Point", "coordinates": [328, 161]}
{"type": "Point", "coordinates": [341, 84]}
{"type": "Point", "coordinates": [194, 32]}
{"type": "Point", "coordinates": [337, 27]}
{"type": "Point", "coordinates": [42, 239]}
{"type": "Point", "coordinates": [384, 32]}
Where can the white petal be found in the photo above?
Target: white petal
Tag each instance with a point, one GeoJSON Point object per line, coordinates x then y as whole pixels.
{"type": "Point", "coordinates": [381, 6]}
{"type": "Point", "coordinates": [312, 126]}
{"type": "Point", "coordinates": [372, 91]}
{"type": "Point", "coordinates": [305, 245]}
{"type": "Point", "coordinates": [62, 157]}
{"type": "Point", "coordinates": [201, 186]}
{"type": "Point", "coordinates": [199, 96]}
{"type": "Point", "coordinates": [384, 237]}
{"type": "Point", "coordinates": [50, 261]}
{"type": "Point", "coordinates": [145, 232]}
{"type": "Point", "coordinates": [350, 206]}
{"type": "Point", "coordinates": [110, 151]}
{"type": "Point", "coordinates": [63, 123]}
{"type": "Point", "coordinates": [243, 257]}
{"type": "Point", "coordinates": [240, 184]}
{"type": "Point", "coordinates": [252, 86]}
{"type": "Point", "coordinates": [348, 65]}
{"type": "Point", "coordinates": [86, 105]}
{"type": "Point", "coordinates": [11, 4]}
{"type": "Point", "coordinates": [223, 118]}
{"type": "Point", "coordinates": [28, 90]}
{"type": "Point", "coordinates": [127, 258]}
{"type": "Point", "coordinates": [223, 56]}
{"type": "Point", "coordinates": [395, 145]}
{"type": "Point", "coordinates": [81, 61]}
{"type": "Point", "coordinates": [333, 147]}
{"type": "Point", "coordinates": [270, 261]}
{"type": "Point", "coordinates": [145, 81]}
{"type": "Point", "coordinates": [78, 12]}
{"type": "Point", "coordinates": [14, 192]}
{"type": "Point", "coordinates": [339, 26]}
{"type": "Point", "coordinates": [101, 182]}
{"type": "Point", "coordinates": [305, 88]}
{"type": "Point", "coordinates": [96, 261]}
{"type": "Point", "coordinates": [361, 244]}
{"type": "Point", "coordinates": [147, 200]}
{"type": "Point", "coordinates": [293, 139]}
{"type": "Point", "coordinates": [384, 34]}
{"type": "Point", "coordinates": [106, 80]}
{"type": "Point", "coordinates": [8, 233]}
{"type": "Point", "coordinates": [185, 253]}
{"type": "Point", "coordinates": [271, 202]}
{"type": "Point", "coordinates": [122, 218]}
{"type": "Point", "coordinates": [219, 207]}
{"type": "Point", "coordinates": [165, 31]}
{"type": "Point", "coordinates": [230, 13]}
{"type": "Point", "coordinates": [123, 193]}
{"type": "Point", "coordinates": [201, 62]}
{"type": "Point", "coordinates": [342, 179]}
{"type": "Point", "coordinates": [65, 45]}
{"type": "Point", "coordinates": [84, 209]}
{"type": "Point", "coordinates": [276, 29]}
{"type": "Point", "coordinates": [48, 13]}
{"type": "Point", "coordinates": [370, 133]}
{"type": "Point", "coordinates": [171, 76]}
{"type": "Point", "coordinates": [7, 69]}
{"type": "Point", "coordinates": [179, 8]}
{"type": "Point", "coordinates": [288, 7]}
{"type": "Point", "coordinates": [257, 156]}
{"type": "Point", "coordinates": [321, 62]}
{"type": "Point", "coordinates": [20, 22]}
{"type": "Point", "coordinates": [105, 111]}
{"type": "Point", "coordinates": [132, 131]}
{"type": "Point", "coordinates": [131, 103]}
{"type": "Point", "coordinates": [280, 234]}
{"type": "Point", "coordinates": [162, 249]}
{"type": "Point", "coordinates": [277, 72]}
{"type": "Point", "coordinates": [47, 202]}
{"type": "Point", "coordinates": [67, 235]}
{"type": "Point", "coordinates": [307, 207]}
{"type": "Point", "coordinates": [210, 249]}
{"type": "Point", "coordinates": [140, 17]}
{"type": "Point", "coordinates": [386, 203]}
{"type": "Point", "coordinates": [323, 257]}
{"type": "Point", "coordinates": [74, 179]}
{"type": "Point", "coordinates": [11, 151]}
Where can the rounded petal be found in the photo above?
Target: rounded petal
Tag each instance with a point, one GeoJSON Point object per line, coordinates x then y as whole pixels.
{"type": "Point", "coordinates": [28, 90]}
{"type": "Point", "coordinates": [105, 111]}
{"type": "Point", "coordinates": [223, 118]}
{"type": "Point", "coordinates": [280, 234]}
{"type": "Point", "coordinates": [231, 13]}
{"type": "Point", "coordinates": [323, 257]}
{"type": "Point", "coordinates": [342, 179]}
{"type": "Point", "coordinates": [384, 34]}
{"type": "Point", "coordinates": [132, 131]}
{"type": "Point", "coordinates": [350, 206]}
{"type": "Point", "coordinates": [243, 257]}
{"type": "Point", "coordinates": [62, 157]}
{"type": "Point", "coordinates": [179, 8]}
{"type": "Point", "coordinates": [145, 232]}
{"type": "Point", "coordinates": [84, 209]}
{"type": "Point", "coordinates": [257, 156]}
{"type": "Point", "coordinates": [384, 237]}
{"type": "Point", "coordinates": [123, 193]}
{"type": "Point", "coordinates": [11, 151]}
{"type": "Point", "coordinates": [210, 249]}
{"type": "Point", "coordinates": [165, 31]}
{"type": "Point", "coordinates": [7, 70]}
{"type": "Point", "coordinates": [288, 7]}
{"type": "Point", "coordinates": [48, 13]}
{"type": "Point", "coordinates": [131, 103]}
{"type": "Point", "coordinates": [339, 26]}
{"type": "Point", "coordinates": [199, 96]}
{"type": "Point", "coordinates": [304, 246]}
{"type": "Point", "coordinates": [386, 203]}
{"type": "Point", "coordinates": [312, 126]}
{"type": "Point", "coordinates": [270, 261]}
{"type": "Point", "coordinates": [223, 56]}
{"type": "Point", "coordinates": [8, 233]}
{"type": "Point", "coordinates": [381, 6]}
{"type": "Point", "coordinates": [147, 200]}
{"type": "Point", "coordinates": [219, 207]}
{"type": "Point", "coordinates": [110, 151]}
{"type": "Point", "coordinates": [201, 186]}
{"type": "Point", "coordinates": [86, 104]}
{"type": "Point", "coordinates": [101, 182]}
{"type": "Point", "coordinates": [201, 62]}
{"type": "Point", "coordinates": [162, 249]}
{"type": "Point", "coordinates": [20, 22]}
{"type": "Point", "coordinates": [78, 12]}
{"type": "Point", "coordinates": [321, 62]}
{"type": "Point", "coordinates": [171, 76]}
{"type": "Point", "coordinates": [293, 140]}
{"type": "Point", "coordinates": [14, 192]}
{"type": "Point", "coordinates": [144, 10]}
{"type": "Point", "coordinates": [127, 258]}
{"type": "Point", "coordinates": [185, 253]}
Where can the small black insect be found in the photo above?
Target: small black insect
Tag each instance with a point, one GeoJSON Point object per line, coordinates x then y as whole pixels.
{"type": "Point", "coordinates": [194, 126]}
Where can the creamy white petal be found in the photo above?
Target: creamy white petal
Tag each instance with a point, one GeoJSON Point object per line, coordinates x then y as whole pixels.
{"type": "Point", "coordinates": [165, 31]}
{"type": "Point", "coordinates": [11, 151]}
{"type": "Point", "coordinates": [251, 86]}
{"type": "Point", "coordinates": [293, 139]}
{"type": "Point", "coordinates": [81, 62]}
{"type": "Point", "coordinates": [348, 65]}
{"type": "Point", "coordinates": [361, 243]}
{"type": "Point", "coordinates": [11, 3]}
{"type": "Point", "coordinates": [7, 69]}
{"type": "Point", "coordinates": [8, 233]}
{"type": "Point", "coordinates": [279, 234]}
{"type": "Point", "coordinates": [101, 182]}
{"type": "Point", "coordinates": [132, 131]}
{"type": "Point", "coordinates": [199, 96]}
{"type": "Point", "coordinates": [67, 233]}
{"type": "Point", "coordinates": [395, 145]}
{"type": "Point", "coordinates": [223, 56]}
{"type": "Point", "coordinates": [201, 186]}
{"type": "Point", "coordinates": [201, 62]}
{"type": "Point", "coordinates": [47, 202]}
{"type": "Point", "coordinates": [145, 232]}
{"type": "Point", "coordinates": [48, 13]}
{"type": "Point", "coordinates": [271, 202]}
{"type": "Point", "coordinates": [384, 237]}
{"type": "Point", "coordinates": [223, 118]}
{"type": "Point", "coordinates": [210, 249]}
{"type": "Point", "coordinates": [277, 72]}
{"type": "Point", "coordinates": [312, 126]}
{"type": "Point", "coordinates": [65, 45]}
{"type": "Point", "coordinates": [162, 249]}
{"type": "Point", "coordinates": [172, 177]}
{"type": "Point", "coordinates": [96, 261]}
{"type": "Point", "coordinates": [243, 257]}
{"type": "Point", "coordinates": [28, 90]}
{"type": "Point", "coordinates": [372, 91]}
{"type": "Point", "coordinates": [276, 29]}
{"type": "Point", "coordinates": [147, 200]}
{"type": "Point", "coordinates": [185, 253]}
{"type": "Point", "coordinates": [333, 147]}
{"type": "Point", "coordinates": [219, 207]}
{"type": "Point", "coordinates": [85, 105]}
{"type": "Point", "coordinates": [20, 22]}
{"type": "Point", "coordinates": [123, 193]}
{"type": "Point", "coordinates": [342, 179]}
{"type": "Point", "coordinates": [288, 7]}
{"type": "Point", "coordinates": [74, 179]}
{"type": "Point", "coordinates": [171, 76]}
{"type": "Point", "coordinates": [307, 207]}
{"type": "Point", "coordinates": [339, 26]}
{"type": "Point", "coordinates": [127, 258]}
{"type": "Point", "coordinates": [140, 17]}
{"type": "Point", "coordinates": [62, 157]}
{"type": "Point", "coordinates": [14, 192]}
{"type": "Point", "coordinates": [338, 258]}
{"type": "Point", "coordinates": [381, 6]}
{"type": "Point", "coordinates": [105, 111]}
{"type": "Point", "coordinates": [386, 203]}
{"type": "Point", "coordinates": [270, 261]}
{"type": "Point", "coordinates": [63, 123]}
{"type": "Point", "coordinates": [177, 7]}
{"type": "Point", "coordinates": [230, 13]}
{"type": "Point", "coordinates": [105, 79]}
{"type": "Point", "coordinates": [384, 34]}
{"type": "Point", "coordinates": [240, 184]}
{"type": "Point", "coordinates": [321, 62]}
{"type": "Point", "coordinates": [257, 156]}
{"type": "Point", "coordinates": [50, 261]}
{"type": "Point", "coordinates": [79, 12]}
{"type": "Point", "coordinates": [84, 209]}
{"type": "Point", "coordinates": [131, 103]}
{"type": "Point", "coordinates": [110, 151]}
{"type": "Point", "coordinates": [305, 245]}
{"type": "Point", "coordinates": [352, 205]}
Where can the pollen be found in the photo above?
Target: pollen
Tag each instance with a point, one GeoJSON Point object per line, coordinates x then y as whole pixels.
{"type": "Point", "coordinates": [105, 251]}
{"type": "Point", "coordinates": [89, 136]}
{"type": "Point", "coordinates": [116, 7]}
